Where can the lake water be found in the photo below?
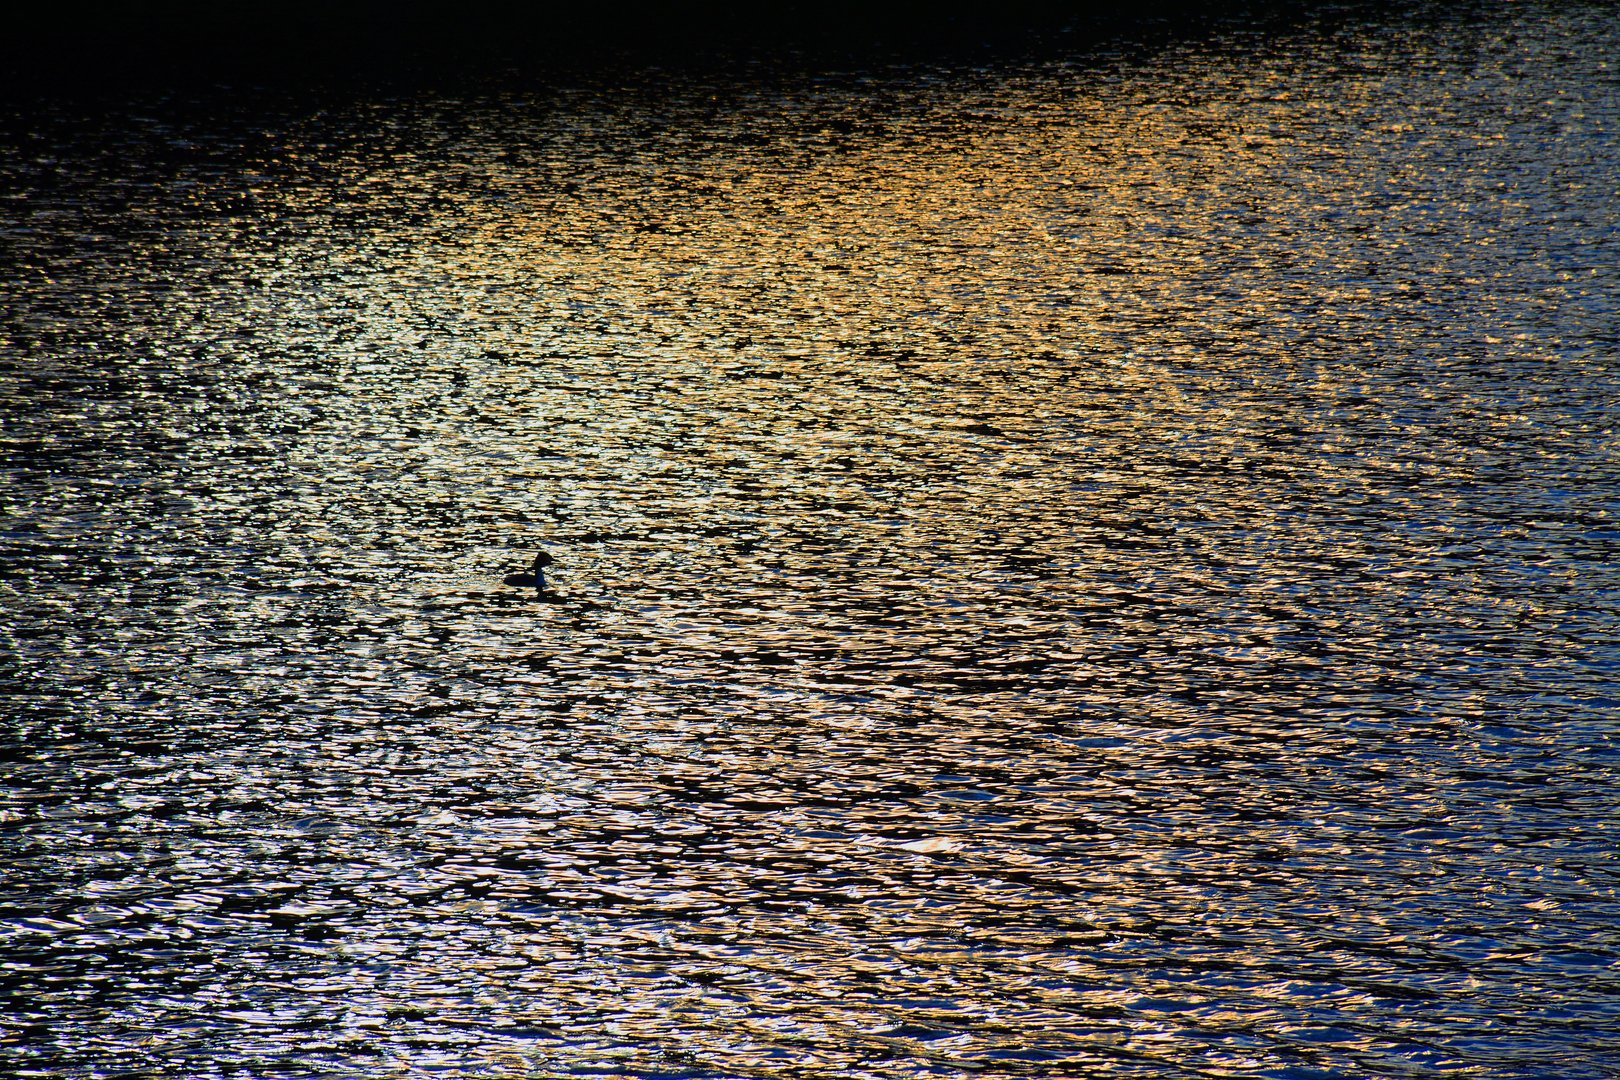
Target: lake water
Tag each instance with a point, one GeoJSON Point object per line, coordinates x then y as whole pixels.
{"type": "Point", "coordinates": [1091, 565]}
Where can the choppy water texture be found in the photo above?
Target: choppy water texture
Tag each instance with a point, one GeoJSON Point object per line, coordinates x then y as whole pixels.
{"type": "Point", "coordinates": [1086, 567]}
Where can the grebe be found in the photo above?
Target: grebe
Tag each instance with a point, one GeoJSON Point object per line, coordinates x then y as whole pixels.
{"type": "Point", "coordinates": [536, 578]}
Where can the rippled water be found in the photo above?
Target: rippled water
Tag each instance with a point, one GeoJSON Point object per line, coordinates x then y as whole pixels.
{"type": "Point", "coordinates": [1089, 567]}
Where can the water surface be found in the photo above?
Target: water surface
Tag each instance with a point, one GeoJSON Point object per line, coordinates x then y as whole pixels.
{"type": "Point", "coordinates": [1091, 566]}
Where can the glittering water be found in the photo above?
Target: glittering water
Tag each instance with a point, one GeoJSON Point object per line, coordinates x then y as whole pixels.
{"type": "Point", "coordinates": [1097, 567]}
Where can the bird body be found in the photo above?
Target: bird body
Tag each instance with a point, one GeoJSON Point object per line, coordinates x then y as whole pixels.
{"type": "Point", "coordinates": [536, 577]}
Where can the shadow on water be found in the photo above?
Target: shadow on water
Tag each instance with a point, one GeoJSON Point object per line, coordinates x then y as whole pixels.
{"type": "Point", "coordinates": [105, 51]}
{"type": "Point", "coordinates": [1085, 566]}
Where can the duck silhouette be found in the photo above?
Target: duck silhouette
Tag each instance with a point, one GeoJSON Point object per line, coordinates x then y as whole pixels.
{"type": "Point", "coordinates": [536, 578]}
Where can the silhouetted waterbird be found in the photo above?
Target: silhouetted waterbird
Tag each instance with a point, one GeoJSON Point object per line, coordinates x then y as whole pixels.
{"type": "Point", "coordinates": [536, 578]}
